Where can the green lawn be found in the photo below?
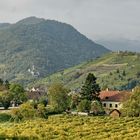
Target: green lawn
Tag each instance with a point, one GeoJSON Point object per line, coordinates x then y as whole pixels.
{"type": "Point", "coordinates": [63, 127]}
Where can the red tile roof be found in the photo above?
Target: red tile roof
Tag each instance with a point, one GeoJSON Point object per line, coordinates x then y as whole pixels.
{"type": "Point", "coordinates": [114, 96]}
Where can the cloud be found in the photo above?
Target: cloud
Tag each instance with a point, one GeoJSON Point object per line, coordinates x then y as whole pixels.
{"type": "Point", "coordinates": [95, 18]}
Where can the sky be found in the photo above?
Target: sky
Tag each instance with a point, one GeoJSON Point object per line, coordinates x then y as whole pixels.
{"type": "Point", "coordinates": [97, 19]}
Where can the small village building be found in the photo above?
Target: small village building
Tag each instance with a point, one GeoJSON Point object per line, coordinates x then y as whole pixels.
{"type": "Point", "coordinates": [113, 99]}
{"type": "Point", "coordinates": [36, 93]}
{"type": "Point", "coordinates": [115, 113]}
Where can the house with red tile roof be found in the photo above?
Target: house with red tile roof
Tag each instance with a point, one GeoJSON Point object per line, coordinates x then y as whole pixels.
{"type": "Point", "coordinates": [113, 99]}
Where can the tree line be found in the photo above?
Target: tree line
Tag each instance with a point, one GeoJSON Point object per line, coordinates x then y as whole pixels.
{"type": "Point", "coordinates": [59, 99]}
{"type": "Point", "coordinates": [11, 94]}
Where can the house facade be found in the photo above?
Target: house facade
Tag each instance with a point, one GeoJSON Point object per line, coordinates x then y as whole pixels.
{"type": "Point", "coordinates": [111, 105]}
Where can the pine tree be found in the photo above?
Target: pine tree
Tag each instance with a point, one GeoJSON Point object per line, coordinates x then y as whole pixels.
{"type": "Point", "coordinates": [7, 84]}
{"type": "Point", "coordinates": [90, 89]}
{"type": "Point", "coordinates": [1, 81]}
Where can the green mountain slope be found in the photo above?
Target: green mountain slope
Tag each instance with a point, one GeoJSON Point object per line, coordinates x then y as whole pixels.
{"type": "Point", "coordinates": [114, 71]}
{"type": "Point", "coordinates": [33, 48]}
{"type": "Point", "coordinates": [4, 25]}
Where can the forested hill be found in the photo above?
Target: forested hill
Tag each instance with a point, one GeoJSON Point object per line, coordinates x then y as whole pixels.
{"type": "Point", "coordinates": [4, 25]}
{"type": "Point", "coordinates": [34, 47]}
{"type": "Point", "coordinates": [119, 71]}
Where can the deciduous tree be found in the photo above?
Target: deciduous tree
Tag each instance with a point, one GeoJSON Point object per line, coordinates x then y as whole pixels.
{"type": "Point", "coordinates": [58, 97]}
{"type": "Point", "coordinates": [18, 93]}
{"type": "Point", "coordinates": [132, 106]}
{"type": "Point", "coordinates": [5, 99]}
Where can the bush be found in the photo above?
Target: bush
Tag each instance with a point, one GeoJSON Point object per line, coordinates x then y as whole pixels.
{"type": "Point", "coordinates": [84, 106]}
{"type": "Point", "coordinates": [75, 99]}
{"type": "Point", "coordinates": [25, 111]}
{"type": "Point", "coordinates": [51, 110]}
{"type": "Point", "coordinates": [96, 107]}
{"type": "Point", "coordinates": [41, 111]}
{"type": "Point", "coordinates": [5, 99]}
{"type": "Point", "coordinates": [34, 103]}
{"type": "Point", "coordinates": [43, 100]}
{"type": "Point", "coordinates": [4, 117]}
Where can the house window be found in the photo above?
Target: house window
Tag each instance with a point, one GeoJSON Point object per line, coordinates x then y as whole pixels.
{"type": "Point", "coordinates": [106, 97]}
{"type": "Point", "coordinates": [116, 106]}
{"type": "Point", "coordinates": [104, 104]}
{"type": "Point", "coordinates": [110, 105]}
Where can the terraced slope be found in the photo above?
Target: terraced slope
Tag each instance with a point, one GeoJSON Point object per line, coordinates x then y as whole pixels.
{"type": "Point", "coordinates": [114, 70]}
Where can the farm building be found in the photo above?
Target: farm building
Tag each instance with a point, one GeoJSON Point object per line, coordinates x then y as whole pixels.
{"type": "Point", "coordinates": [113, 99]}
{"type": "Point", "coordinates": [115, 113]}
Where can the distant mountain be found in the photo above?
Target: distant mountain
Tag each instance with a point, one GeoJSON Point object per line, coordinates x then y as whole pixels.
{"type": "Point", "coordinates": [3, 25]}
{"type": "Point", "coordinates": [120, 70]}
{"type": "Point", "coordinates": [34, 47]}
{"type": "Point", "coordinates": [121, 44]}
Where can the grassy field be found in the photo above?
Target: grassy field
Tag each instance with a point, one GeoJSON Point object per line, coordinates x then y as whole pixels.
{"type": "Point", "coordinates": [63, 127]}
{"type": "Point", "coordinates": [109, 71]}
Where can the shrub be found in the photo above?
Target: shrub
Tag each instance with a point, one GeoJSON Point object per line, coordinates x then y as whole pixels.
{"type": "Point", "coordinates": [34, 104]}
{"type": "Point", "coordinates": [5, 99]}
{"type": "Point", "coordinates": [43, 100]}
{"type": "Point", "coordinates": [96, 107]}
{"type": "Point", "coordinates": [84, 106]}
{"type": "Point", "coordinates": [4, 117]}
{"type": "Point", "coordinates": [117, 71]}
{"type": "Point", "coordinates": [25, 111]}
{"type": "Point", "coordinates": [41, 111]}
{"type": "Point", "coordinates": [124, 73]}
{"type": "Point", "coordinates": [75, 99]}
{"type": "Point", "coordinates": [51, 110]}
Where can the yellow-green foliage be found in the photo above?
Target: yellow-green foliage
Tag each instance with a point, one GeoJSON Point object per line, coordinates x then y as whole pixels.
{"type": "Point", "coordinates": [74, 128]}
{"type": "Point", "coordinates": [58, 97]}
{"type": "Point", "coordinates": [25, 111]}
{"type": "Point", "coordinates": [132, 106]}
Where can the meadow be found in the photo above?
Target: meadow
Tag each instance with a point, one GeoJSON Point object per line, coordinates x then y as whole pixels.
{"type": "Point", "coordinates": [67, 127]}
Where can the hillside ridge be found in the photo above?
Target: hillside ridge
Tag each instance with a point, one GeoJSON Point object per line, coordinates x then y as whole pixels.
{"type": "Point", "coordinates": [116, 70]}
{"type": "Point", "coordinates": [33, 48]}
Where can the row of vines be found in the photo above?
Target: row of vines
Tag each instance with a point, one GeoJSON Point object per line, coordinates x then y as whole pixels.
{"type": "Point", "coordinates": [63, 127]}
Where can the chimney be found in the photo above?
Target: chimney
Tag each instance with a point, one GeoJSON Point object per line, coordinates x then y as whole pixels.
{"type": "Point", "coordinates": [107, 89]}
{"type": "Point", "coordinates": [133, 90]}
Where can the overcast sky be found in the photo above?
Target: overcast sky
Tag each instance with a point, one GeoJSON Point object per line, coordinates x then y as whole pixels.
{"type": "Point", "coordinates": [96, 19]}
